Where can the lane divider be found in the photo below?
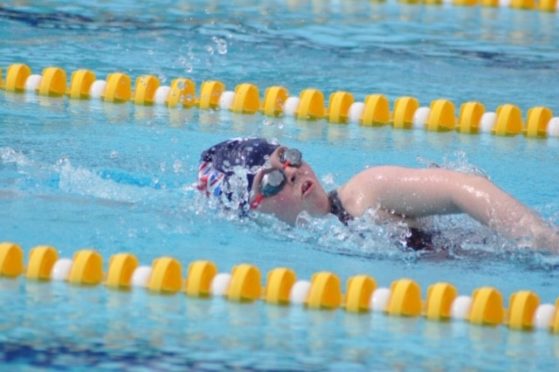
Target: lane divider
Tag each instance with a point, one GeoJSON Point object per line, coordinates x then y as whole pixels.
{"type": "Point", "coordinates": [541, 5]}
{"type": "Point", "coordinates": [439, 116]}
{"type": "Point", "coordinates": [244, 284]}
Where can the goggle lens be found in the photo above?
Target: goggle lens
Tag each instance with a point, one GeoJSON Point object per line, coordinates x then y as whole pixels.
{"type": "Point", "coordinates": [291, 157]}
{"type": "Point", "coordinates": [274, 179]}
{"type": "Point", "coordinates": [272, 182]}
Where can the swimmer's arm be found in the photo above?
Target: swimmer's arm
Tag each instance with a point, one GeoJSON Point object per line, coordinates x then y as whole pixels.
{"type": "Point", "coordinates": [423, 192]}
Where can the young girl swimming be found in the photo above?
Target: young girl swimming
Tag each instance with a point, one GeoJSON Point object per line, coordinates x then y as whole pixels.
{"type": "Point", "coordinates": [255, 174]}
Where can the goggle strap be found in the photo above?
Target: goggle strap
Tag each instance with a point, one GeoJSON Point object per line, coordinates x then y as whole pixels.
{"type": "Point", "coordinates": [256, 201]}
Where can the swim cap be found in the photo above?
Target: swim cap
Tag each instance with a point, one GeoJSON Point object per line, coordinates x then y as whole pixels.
{"type": "Point", "coordinates": [228, 168]}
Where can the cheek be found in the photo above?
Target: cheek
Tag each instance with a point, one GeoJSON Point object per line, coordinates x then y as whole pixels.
{"type": "Point", "coordinates": [283, 201]}
{"type": "Point", "coordinates": [290, 194]}
{"type": "Point", "coordinates": [286, 201]}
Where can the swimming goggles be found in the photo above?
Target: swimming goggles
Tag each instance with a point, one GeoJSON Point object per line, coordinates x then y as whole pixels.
{"type": "Point", "coordinates": [274, 179]}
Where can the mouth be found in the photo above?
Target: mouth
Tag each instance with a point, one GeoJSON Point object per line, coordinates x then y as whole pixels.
{"type": "Point", "coordinates": [306, 188]}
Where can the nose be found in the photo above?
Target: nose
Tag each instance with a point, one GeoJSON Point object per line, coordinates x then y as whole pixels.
{"type": "Point", "coordinates": [291, 173]}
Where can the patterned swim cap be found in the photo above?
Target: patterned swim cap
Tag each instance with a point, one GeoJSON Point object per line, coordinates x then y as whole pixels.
{"type": "Point", "coordinates": [228, 168]}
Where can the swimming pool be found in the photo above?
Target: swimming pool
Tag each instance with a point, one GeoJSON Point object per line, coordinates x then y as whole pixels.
{"type": "Point", "coordinates": [84, 173]}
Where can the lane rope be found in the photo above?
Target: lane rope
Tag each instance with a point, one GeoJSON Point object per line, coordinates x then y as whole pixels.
{"type": "Point", "coordinates": [282, 287]}
{"type": "Point", "coordinates": [407, 113]}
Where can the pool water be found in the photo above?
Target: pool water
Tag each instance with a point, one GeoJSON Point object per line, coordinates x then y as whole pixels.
{"type": "Point", "coordinates": [118, 178]}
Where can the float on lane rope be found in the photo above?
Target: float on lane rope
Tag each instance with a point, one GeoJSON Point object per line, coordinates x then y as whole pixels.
{"type": "Point", "coordinates": [438, 116]}
{"type": "Point", "coordinates": [244, 284]}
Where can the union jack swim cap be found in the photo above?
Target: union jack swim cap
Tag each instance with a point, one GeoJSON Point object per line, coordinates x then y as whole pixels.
{"type": "Point", "coordinates": [227, 165]}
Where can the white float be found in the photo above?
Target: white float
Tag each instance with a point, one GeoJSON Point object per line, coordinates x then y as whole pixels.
{"type": "Point", "coordinates": [461, 307]}
{"type": "Point", "coordinates": [220, 284]}
{"type": "Point", "coordinates": [379, 299]}
{"type": "Point", "coordinates": [97, 89]}
{"type": "Point", "coordinates": [140, 276]}
{"type": "Point", "coordinates": [355, 112]}
{"type": "Point", "coordinates": [61, 269]}
{"type": "Point", "coordinates": [487, 122]}
{"type": "Point", "coordinates": [290, 106]}
{"type": "Point", "coordinates": [420, 117]}
{"type": "Point", "coordinates": [553, 127]}
{"type": "Point", "coordinates": [226, 100]}
{"type": "Point", "coordinates": [161, 94]}
{"type": "Point", "coordinates": [299, 292]}
{"type": "Point", "coordinates": [544, 316]}
{"type": "Point", "coordinates": [32, 83]}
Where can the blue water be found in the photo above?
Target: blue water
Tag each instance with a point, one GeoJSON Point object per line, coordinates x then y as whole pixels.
{"type": "Point", "coordinates": [118, 178]}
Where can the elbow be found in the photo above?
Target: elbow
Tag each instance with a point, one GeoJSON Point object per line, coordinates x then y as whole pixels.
{"type": "Point", "coordinates": [472, 194]}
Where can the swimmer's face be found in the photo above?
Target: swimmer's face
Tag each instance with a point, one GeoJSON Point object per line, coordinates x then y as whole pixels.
{"type": "Point", "coordinates": [301, 192]}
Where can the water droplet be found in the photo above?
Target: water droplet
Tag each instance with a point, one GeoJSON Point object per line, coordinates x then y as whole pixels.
{"type": "Point", "coordinates": [221, 45]}
{"type": "Point", "coordinates": [177, 166]}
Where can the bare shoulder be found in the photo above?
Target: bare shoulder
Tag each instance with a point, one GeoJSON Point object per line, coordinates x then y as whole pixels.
{"type": "Point", "coordinates": [364, 189]}
{"type": "Point", "coordinates": [376, 175]}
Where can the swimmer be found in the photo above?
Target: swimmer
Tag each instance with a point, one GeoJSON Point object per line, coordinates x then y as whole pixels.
{"type": "Point", "coordinates": [268, 178]}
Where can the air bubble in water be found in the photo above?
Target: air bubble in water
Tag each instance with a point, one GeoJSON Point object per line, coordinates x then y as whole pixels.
{"type": "Point", "coordinates": [328, 179]}
{"type": "Point", "coordinates": [63, 161]}
{"type": "Point", "coordinates": [186, 62]}
{"type": "Point", "coordinates": [177, 166]}
{"type": "Point", "coordinates": [221, 45]}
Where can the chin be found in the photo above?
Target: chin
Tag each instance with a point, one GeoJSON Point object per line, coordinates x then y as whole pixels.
{"type": "Point", "coordinates": [289, 219]}
{"type": "Point", "coordinates": [317, 204]}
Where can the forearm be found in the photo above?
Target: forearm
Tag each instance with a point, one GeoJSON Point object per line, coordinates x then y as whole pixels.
{"type": "Point", "coordinates": [493, 207]}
